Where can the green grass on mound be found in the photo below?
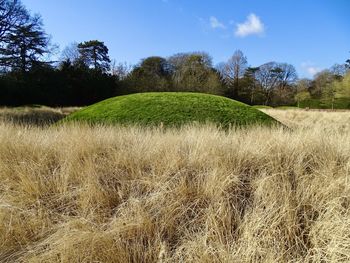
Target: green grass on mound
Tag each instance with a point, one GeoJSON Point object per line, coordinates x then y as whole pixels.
{"type": "Point", "coordinates": [171, 109]}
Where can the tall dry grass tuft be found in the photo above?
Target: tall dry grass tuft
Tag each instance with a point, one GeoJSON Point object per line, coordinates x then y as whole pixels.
{"type": "Point", "coordinates": [112, 194]}
{"type": "Point", "coordinates": [37, 115]}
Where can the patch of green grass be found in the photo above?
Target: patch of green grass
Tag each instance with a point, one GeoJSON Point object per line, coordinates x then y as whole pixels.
{"type": "Point", "coordinates": [286, 108]}
{"type": "Point", "coordinates": [171, 109]}
{"type": "Point", "coordinates": [262, 107]}
{"type": "Point", "coordinates": [321, 104]}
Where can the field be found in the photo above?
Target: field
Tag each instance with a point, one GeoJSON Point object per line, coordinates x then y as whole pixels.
{"type": "Point", "coordinates": [74, 193]}
{"type": "Point", "coordinates": [37, 115]}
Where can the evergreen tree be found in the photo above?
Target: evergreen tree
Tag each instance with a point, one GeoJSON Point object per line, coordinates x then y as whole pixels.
{"type": "Point", "coordinates": [250, 84]}
{"type": "Point", "coordinates": [25, 45]}
{"type": "Point", "coordinates": [12, 14]}
{"type": "Point", "coordinates": [94, 54]}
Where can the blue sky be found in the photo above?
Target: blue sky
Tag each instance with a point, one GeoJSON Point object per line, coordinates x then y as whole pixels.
{"type": "Point", "coordinates": [311, 35]}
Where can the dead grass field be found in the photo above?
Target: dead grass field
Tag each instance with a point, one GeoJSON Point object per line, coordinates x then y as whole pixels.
{"type": "Point", "coordinates": [112, 194]}
{"type": "Point", "coordinates": [311, 119]}
{"type": "Point", "coordinates": [38, 116]}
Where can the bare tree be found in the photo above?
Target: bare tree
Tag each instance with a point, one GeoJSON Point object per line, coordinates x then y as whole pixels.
{"type": "Point", "coordinates": [303, 85]}
{"type": "Point", "coordinates": [302, 90]}
{"type": "Point", "coordinates": [194, 72]}
{"type": "Point", "coordinates": [178, 61]}
{"type": "Point", "coordinates": [233, 69]}
{"type": "Point", "coordinates": [343, 87]}
{"type": "Point", "coordinates": [339, 70]}
{"type": "Point", "coordinates": [287, 77]}
{"type": "Point", "coordinates": [321, 81]}
{"type": "Point", "coordinates": [287, 74]}
{"type": "Point", "coordinates": [70, 52]}
{"type": "Point", "coordinates": [275, 78]}
{"type": "Point", "coordinates": [121, 70]}
{"type": "Point", "coordinates": [267, 79]}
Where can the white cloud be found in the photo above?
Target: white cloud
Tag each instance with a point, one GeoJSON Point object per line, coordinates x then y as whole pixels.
{"type": "Point", "coordinates": [252, 26]}
{"type": "Point", "coordinates": [310, 68]}
{"type": "Point", "coordinates": [215, 23]}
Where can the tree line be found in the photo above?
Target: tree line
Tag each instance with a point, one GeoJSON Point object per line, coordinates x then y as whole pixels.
{"type": "Point", "coordinates": [84, 72]}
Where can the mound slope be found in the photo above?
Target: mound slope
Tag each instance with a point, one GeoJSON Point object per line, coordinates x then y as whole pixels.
{"type": "Point", "coordinates": [171, 109]}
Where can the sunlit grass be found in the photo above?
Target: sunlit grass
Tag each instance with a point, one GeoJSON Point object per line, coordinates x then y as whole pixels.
{"type": "Point", "coordinates": [73, 193]}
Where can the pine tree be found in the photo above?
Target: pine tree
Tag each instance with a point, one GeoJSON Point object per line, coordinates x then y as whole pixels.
{"type": "Point", "coordinates": [94, 54]}
{"type": "Point", "coordinates": [25, 45]}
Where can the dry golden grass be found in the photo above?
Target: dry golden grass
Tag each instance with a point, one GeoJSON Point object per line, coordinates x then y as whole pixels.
{"type": "Point", "coordinates": [38, 116]}
{"type": "Point", "coordinates": [322, 119]}
{"type": "Point", "coordinates": [114, 194]}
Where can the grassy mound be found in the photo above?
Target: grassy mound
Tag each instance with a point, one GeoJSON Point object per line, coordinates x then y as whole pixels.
{"type": "Point", "coordinates": [171, 109]}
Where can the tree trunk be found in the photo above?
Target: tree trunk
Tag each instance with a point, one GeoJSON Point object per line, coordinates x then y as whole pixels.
{"type": "Point", "coordinates": [23, 64]}
{"type": "Point", "coordinates": [95, 58]}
